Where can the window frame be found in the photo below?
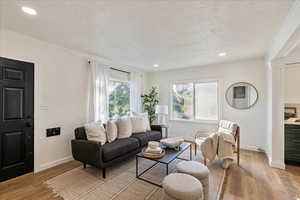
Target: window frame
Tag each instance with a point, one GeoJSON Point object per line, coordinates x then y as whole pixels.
{"type": "Point", "coordinates": [194, 120]}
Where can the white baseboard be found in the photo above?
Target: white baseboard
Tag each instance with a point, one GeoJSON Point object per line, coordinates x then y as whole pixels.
{"type": "Point", "coordinates": [253, 148]}
{"type": "Point", "coordinates": [54, 163]}
{"type": "Point", "coordinates": [276, 164]}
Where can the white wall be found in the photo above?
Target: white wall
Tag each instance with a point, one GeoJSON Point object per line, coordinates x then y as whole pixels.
{"type": "Point", "coordinates": [60, 93]}
{"type": "Point", "coordinates": [277, 57]}
{"type": "Point", "coordinates": [291, 84]}
{"type": "Point", "coordinates": [282, 43]}
{"type": "Point", "coordinates": [253, 122]}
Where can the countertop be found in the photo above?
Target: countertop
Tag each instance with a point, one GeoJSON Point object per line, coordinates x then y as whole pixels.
{"type": "Point", "coordinates": [292, 123]}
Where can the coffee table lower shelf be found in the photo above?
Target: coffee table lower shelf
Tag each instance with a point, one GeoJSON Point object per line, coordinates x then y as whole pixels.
{"type": "Point", "coordinates": [157, 161]}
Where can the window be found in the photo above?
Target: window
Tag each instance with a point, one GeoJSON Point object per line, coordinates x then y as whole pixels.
{"type": "Point", "coordinates": [119, 94]}
{"type": "Point", "coordinates": [183, 96]}
{"type": "Point", "coordinates": [195, 101]}
{"type": "Point", "coordinates": [206, 101]}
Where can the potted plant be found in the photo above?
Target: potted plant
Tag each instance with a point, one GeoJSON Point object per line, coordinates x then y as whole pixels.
{"type": "Point", "coordinates": [149, 101]}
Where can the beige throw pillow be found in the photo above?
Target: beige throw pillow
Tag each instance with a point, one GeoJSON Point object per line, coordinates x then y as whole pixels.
{"type": "Point", "coordinates": [124, 127]}
{"type": "Point", "coordinates": [146, 119]}
{"type": "Point", "coordinates": [111, 130]}
{"type": "Point", "coordinates": [95, 131]}
{"type": "Point", "coordinates": [138, 124]}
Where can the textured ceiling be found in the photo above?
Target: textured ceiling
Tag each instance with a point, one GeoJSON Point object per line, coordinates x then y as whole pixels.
{"type": "Point", "coordinates": [141, 33]}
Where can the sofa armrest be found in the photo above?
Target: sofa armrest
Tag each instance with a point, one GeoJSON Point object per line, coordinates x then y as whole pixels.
{"type": "Point", "coordinates": [87, 151]}
{"type": "Point", "coordinates": [156, 128]}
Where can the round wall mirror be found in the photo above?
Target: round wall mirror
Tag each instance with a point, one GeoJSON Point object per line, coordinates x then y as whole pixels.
{"type": "Point", "coordinates": [241, 95]}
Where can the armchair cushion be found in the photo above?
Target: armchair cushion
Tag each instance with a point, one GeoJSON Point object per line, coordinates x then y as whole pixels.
{"type": "Point", "coordinates": [227, 127]}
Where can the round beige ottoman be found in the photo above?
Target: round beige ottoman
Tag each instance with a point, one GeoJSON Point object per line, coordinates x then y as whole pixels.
{"type": "Point", "coordinates": [197, 170]}
{"type": "Point", "coordinates": [178, 186]}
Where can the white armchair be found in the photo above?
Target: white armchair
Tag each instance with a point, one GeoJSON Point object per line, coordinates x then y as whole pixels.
{"type": "Point", "coordinates": [224, 126]}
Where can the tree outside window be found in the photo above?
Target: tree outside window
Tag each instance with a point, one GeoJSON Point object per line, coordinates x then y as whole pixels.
{"type": "Point", "coordinates": [119, 99]}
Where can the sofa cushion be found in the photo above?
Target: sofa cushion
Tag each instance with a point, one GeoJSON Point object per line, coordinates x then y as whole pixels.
{"type": "Point", "coordinates": [95, 131]}
{"type": "Point", "coordinates": [111, 130]}
{"type": "Point", "coordinates": [138, 124]}
{"type": "Point", "coordinates": [124, 127]}
{"type": "Point", "coordinates": [154, 135]}
{"type": "Point", "coordinates": [145, 117]}
{"type": "Point", "coordinates": [142, 137]}
{"type": "Point", "coordinates": [119, 147]}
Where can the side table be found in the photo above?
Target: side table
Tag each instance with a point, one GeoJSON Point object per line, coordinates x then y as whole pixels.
{"type": "Point", "coordinates": [166, 127]}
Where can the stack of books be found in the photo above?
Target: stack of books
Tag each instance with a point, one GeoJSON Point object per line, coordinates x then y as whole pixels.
{"type": "Point", "coordinates": [157, 150]}
{"type": "Point", "coordinates": [153, 148]}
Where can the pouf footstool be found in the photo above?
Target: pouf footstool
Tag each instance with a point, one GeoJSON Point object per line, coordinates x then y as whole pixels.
{"type": "Point", "coordinates": [178, 186]}
{"type": "Point", "coordinates": [197, 170]}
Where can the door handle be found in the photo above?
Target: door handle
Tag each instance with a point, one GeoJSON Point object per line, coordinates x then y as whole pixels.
{"type": "Point", "coordinates": [28, 122]}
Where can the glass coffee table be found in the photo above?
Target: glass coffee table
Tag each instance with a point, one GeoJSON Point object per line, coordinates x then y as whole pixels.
{"type": "Point", "coordinates": [170, 155]}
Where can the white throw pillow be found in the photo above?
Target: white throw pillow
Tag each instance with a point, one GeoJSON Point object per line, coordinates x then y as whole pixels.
{"type": "Point", "coordinates": [138, 124]}
{"type": "Point", "coordinates": [124, 127]}
{"type": "Point", "coordinates": [95, 131]}
{"type": "Point", "coordinates": [146, 119]}
{"type": "Point", "coordinates": [111, 130]}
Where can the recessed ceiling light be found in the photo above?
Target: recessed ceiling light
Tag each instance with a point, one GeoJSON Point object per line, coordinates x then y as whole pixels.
{"type": "Point", "coordinates": [155, 65]}
{"type": "Point", "coordinates": [28, 10]}
{"type": "Point", "coordinates": [222, 54]}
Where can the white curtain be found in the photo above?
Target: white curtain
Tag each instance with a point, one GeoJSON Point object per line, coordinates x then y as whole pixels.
{"type": "Point", "coordinates": [98, 92]}
{"type": "Point", "coordinates": [136, 80]}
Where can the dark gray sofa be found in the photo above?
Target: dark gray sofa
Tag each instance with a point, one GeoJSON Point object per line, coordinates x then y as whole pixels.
{"type": "Point", "coordinates": [104, 156]}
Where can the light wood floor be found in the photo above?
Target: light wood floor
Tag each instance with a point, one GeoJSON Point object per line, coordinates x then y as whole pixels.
{"type": "Point", "coordinates": [254, 180]}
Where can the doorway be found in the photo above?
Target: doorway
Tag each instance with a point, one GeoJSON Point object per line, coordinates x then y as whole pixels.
{"type": "Point", "coordinates": [16, 118]}
{"type": "Point", "coordinates": [291, 76]}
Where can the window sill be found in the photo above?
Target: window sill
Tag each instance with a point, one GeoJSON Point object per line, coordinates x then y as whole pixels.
{"type": "Point", "coordinates": [196, 121]}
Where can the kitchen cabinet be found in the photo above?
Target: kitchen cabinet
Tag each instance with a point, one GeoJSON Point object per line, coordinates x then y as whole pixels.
{"type": "Point", "coordinates": [292, 143]}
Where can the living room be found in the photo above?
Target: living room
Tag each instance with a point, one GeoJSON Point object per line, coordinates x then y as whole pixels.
{"type": "Point", "coordinates": [86, 62]}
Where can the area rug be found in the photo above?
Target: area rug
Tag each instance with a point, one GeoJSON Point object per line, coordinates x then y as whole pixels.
{"type": "Point", "coordinates": [121, 184]}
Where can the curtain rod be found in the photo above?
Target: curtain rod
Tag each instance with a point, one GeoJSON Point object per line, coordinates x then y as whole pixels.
{"type": "Point", "coordinates": [120, 70]}
{"type": "Point", "coordinates": [295, 63]}
{"type": "Point", "coordinates": [114, 69]}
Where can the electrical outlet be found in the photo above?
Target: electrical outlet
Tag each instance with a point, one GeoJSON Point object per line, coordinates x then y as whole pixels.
{"type": "Point", "coordinates": [52, 131]}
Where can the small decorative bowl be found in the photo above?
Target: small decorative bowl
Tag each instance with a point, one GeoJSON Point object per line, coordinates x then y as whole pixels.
{"type": "Point", "coordinates": [172, 143]}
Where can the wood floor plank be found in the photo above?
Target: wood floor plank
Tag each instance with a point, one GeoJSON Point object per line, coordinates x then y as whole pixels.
{"type": "Point", "coordinates": [254, 179]}
{"type": "Point", "coordinates": [31, 187]}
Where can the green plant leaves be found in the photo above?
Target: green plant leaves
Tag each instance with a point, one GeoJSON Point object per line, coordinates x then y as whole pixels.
{"type": "Point", "coordinates": [149, 101]}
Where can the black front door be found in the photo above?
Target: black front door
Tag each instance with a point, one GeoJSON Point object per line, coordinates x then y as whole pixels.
{"type": "Point", "coordinates": [16, 118]}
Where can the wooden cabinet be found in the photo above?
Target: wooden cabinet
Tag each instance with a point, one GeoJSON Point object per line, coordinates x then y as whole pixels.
{"type": "Point", "coordinates": [292, 144]}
